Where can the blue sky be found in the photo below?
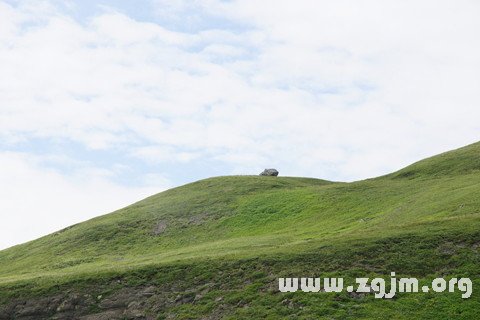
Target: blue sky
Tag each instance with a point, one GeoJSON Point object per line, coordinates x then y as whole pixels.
{"type": "Point", "coordinates": [103, 103]}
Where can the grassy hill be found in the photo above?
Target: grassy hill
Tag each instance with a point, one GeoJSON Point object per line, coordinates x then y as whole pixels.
{"type": "Point", "coordinates": [214, 249]}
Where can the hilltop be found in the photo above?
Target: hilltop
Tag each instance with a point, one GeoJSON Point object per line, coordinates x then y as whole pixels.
{"type": "Point", "coordinates": [214, 248]}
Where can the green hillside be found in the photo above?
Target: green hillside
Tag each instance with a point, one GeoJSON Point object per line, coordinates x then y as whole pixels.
{"type": "Point", "coordinates": [214, 249]}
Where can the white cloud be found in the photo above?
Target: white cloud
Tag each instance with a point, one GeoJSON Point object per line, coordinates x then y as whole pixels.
{"type": "Point", "coordinates": [37, 201]}
{"type": "Point", "coordinates": [359, 75]}
{"type": "Point", "coordinates": [158, 154]}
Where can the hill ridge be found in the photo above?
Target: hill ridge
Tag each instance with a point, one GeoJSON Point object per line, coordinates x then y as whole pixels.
{"type": "Point", "coordinates": [204, 249]}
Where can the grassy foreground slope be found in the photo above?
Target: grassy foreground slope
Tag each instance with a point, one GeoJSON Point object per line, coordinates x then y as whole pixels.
{"type": "Point", "coordinates": [214, 248]}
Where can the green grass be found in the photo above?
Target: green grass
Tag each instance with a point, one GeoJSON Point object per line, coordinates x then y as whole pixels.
{"type": "Point", "coordinates": [422, 221]}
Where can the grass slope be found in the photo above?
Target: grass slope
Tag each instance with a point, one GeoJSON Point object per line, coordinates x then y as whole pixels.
{"type": "Point", "coordinates": [420, 221]}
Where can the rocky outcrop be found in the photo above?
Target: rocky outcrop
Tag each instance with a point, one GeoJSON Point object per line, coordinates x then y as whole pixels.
{"type": "Point", "coordinates": [160, 228]}
{"type": "Point", "coordinates": [269, 172]}
{"type": "Point", "coordinates": [128, 303]}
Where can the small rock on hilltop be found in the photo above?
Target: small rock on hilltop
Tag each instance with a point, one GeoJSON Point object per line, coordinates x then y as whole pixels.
{"type": "Point", "coordinates": [269, 172]}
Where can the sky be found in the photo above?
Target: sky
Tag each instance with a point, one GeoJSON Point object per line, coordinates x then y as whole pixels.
{"type": "Point", "coordinates": [103, 103]}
